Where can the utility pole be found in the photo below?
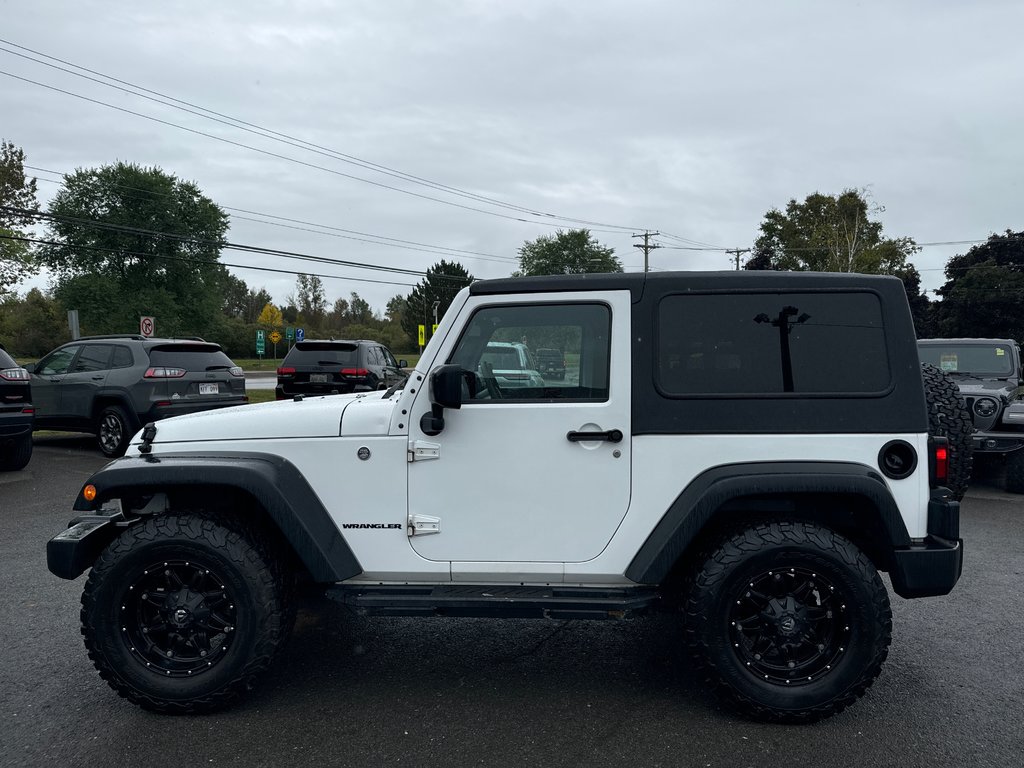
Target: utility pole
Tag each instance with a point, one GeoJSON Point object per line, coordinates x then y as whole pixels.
{"type": "Point", "coordinates": [647, 246]}
{"type": "Point", "coordinates": [736, 252]}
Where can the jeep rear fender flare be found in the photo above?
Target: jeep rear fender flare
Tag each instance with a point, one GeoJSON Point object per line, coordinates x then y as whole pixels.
{"type": "Point", "coordinates": [275, 483]}
{"type": "Point", "coordinates": [700, 502]}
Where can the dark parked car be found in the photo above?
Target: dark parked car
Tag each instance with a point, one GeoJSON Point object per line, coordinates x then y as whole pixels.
{"type": "Point", "coordinates": [16, 414]}
{"type": "Point", "coordinates": [550, 363]}
{"type": "Point", "coordinates": [112, 385]}
{"type": "Point", "coordinates": [337, 367]}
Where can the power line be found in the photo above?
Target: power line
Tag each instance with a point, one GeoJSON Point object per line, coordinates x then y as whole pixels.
{"type": "Point", "coordinates": [225, 245]}
{"type": "Point", "coordinates": [267, 133]}
{"type": "Point", "coordinates": [647, 247]}
{"type": "Point", "coordinates": [411, 245]}
{"type": "Point", "coordinates": [196, 260]}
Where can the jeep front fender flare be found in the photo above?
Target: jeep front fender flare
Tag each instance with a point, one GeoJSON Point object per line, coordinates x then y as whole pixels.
{"type": "Point", "coordinates": [272, 481]}
{"type": "Point", "coordinates": [701, 499]}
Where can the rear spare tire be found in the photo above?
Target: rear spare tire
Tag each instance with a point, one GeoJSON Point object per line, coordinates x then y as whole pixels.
{"type": "Point", "coordinates": [948, 417]}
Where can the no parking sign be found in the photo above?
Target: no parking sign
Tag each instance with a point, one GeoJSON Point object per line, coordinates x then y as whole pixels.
{"type": "Point", "coordinates": [146, 326]}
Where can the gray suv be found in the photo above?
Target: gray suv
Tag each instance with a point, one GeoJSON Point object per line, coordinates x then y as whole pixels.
{"type": "Point", "coordinates": [111, 385]}
{"type": "Point", "coordinates": [988, 375]}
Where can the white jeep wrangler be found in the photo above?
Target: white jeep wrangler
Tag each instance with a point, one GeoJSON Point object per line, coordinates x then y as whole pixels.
{"type": "Point", "coordinates": [748, 450]}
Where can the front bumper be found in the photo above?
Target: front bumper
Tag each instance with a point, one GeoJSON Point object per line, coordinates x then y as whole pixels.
{"type": "Point", "coordinates": [997, 442]}
{"type": "Point", "coordinates": [76, 548]}
{"type": "Point", "coordinates": [933, 565]}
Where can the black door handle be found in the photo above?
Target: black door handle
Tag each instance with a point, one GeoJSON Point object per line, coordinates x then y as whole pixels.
{"type": "Point", "coordinates": [612, 436]}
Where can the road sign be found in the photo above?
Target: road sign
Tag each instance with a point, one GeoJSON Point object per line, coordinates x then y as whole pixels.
{"type": "Point", "coordinates": [433, 329]}
{"type": "Point", "coordinates": [289, 333]}
{"type": "Point", "coordinates": [300, 334]}
{"type": "Point", "coordinates": [261, 343]}
{"type": "Point", "coordinates": [146, 326]}
{"type": "Point", "coordinates": [422, 335]}
{"type": "Point", "coordinates": [261, 335]}
{"type": "Point", "coordinates": [275, 336]}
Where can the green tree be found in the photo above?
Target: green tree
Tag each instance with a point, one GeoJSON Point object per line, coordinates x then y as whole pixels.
{"type": "Point", "coordinates": [836, 233]}
{"type": "Point", "coordinates": [310, 299]}
{"type": "Point", "coordinates": [154, 250]}
{"type": "Point", "coordinates": [442, 282]}
{"type": "Point", "coordinates": [33, 325]}
{"type": "Point", "coordinates": [829, 233]}
{"type": "Point", "coordinates": [573, 252]}
{"type": "Point", "coordinates": [984, 291]}
{"type": "Point", "coordinates": [17, 194]}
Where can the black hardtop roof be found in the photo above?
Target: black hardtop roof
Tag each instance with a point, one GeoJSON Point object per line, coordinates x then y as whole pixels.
{"type": "Point", "coordinates": [965, 342]}
{"type": "Point", "coordinates": [636, 282]}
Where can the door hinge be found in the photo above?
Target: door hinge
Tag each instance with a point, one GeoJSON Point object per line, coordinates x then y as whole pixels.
{"type": "Point", "coordinates": [421, 525]}
{"type": "Point", "coordinates": [421, 450]}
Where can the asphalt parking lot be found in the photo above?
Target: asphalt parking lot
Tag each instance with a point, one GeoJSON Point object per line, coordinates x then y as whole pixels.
{"type": "Point", "coordinates": [366, 692]}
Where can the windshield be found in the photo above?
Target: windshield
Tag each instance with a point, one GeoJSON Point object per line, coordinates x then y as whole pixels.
{"type": "Point", "coordinates": [982, 360]}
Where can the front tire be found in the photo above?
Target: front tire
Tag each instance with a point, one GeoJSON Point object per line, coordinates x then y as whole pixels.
{"type": "Point", "coordinates": [182, 613]}
{"type": "Point", "coordinates": [113, 431]}
{"type": "Point", "coordinates": [790, 621]}
{"type": "Point", "coordinates": [19, 455]}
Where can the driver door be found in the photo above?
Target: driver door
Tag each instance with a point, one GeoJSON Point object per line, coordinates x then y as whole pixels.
{"type": "Point", "coordinates": [512, 480]}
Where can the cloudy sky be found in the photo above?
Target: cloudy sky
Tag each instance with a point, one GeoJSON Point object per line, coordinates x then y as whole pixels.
{"type": "Point", "coordinates": [689, 118]}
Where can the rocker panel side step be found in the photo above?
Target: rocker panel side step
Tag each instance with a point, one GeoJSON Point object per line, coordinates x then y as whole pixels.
{"type": "Point", "coordinates": [495, 601]}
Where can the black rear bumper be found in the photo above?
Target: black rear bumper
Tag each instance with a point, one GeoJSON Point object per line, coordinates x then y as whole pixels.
{"type": "Point", "coordinates": [932, 566]}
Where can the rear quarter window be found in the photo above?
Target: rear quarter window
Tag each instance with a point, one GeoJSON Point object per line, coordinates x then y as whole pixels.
{"type": "Point", "coordinates": [749, 344]}
{"type": "Point", "coordinates": [6, 361]}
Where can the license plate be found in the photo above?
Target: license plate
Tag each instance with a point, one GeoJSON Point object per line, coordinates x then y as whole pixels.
{"type": "Point", "coordinates": [318, 378]}
{"type": "Point", "coordinates": [208, 389]}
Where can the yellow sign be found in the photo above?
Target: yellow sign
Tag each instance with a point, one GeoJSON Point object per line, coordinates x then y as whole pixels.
{"type": "Point", "coordinates": [275, 336]}
{"type": "Point", "coordinates": [433, 330]}
{"type": "Point", "coordinates": [423, 334]}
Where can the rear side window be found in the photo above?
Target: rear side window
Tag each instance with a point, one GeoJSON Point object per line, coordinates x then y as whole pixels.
{"type": "Point", "coordinates": [93, 357]}
{"type": "Point", "coordinates": [191, 357]}
{"type": "Point", "coordinates": [122, 358]}
{"type": "Point", "coordinates": [323, 353]}
{"type": "Point", "coordinates": [771, 343]}
{"type": "Point", "coordinates": [6, 361]}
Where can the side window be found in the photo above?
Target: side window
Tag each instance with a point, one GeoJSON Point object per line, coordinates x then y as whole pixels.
{"type": "Point", "coordinates": [58, 362]}
{"type": "Point", "coordinates": [499, 343]}
{"type": "Point", "coordinates": [389, 357]}
{"type": "Point", "coordinates": [771, 343]}
{"type": "Point", "coordinates": [94, 357]}
{"type": "Point", "coordinates": [373, 355]}
{"type": "Point", "coordinates": [122, 358]}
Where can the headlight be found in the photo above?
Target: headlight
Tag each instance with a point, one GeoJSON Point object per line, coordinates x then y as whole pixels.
{"type": "Point", "coordinates": [985, 407]}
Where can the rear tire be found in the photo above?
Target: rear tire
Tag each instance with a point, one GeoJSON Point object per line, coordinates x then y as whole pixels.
{"type": "Point", "coordinates": [19, 455]}
{"type": "Point", "coordinates": [949, 417]}
{"type": "Point", "coordinates": [182, 613]}
{"type": "Point", "coordinates": [113, 431]}
{"type": "Point", "coordinates": [789, 620]}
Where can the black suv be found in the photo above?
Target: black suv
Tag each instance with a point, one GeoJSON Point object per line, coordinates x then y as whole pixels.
{"type": "Point", "coordinates": [16, 414]}
{"type": "Point", "coordinates": [337, 367]}
{"type": "Point", "coordinates": [550, 363]}
{"type": "Point", "coordinates": [112, 385]}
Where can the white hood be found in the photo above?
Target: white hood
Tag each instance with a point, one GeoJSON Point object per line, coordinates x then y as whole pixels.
{"type": "Point", "coordinates": [308, 417]}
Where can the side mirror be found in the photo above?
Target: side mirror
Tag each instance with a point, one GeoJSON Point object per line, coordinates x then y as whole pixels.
{"type": "Point", "coordinates": [30, 367]}
{"type": "Point", "coordinates": [446, 383]}
{"type": "Point", "coordinates": [402, 363]}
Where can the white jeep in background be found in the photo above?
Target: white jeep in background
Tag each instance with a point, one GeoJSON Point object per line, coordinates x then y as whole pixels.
{"type": "Point", "coordinates": [698, 457]}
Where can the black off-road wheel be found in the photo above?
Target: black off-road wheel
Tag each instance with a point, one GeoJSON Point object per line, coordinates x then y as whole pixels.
{"type": "Point", "coordinates": [183, 613]}
{"type": "Point", "coordinates": [18, 456]}
{"type": "Point", "coordinates": [790, 621]}
{"type": "Point", "coordinates": [949, 417]}
{"type": "Point", "coordinates": [113, 431]}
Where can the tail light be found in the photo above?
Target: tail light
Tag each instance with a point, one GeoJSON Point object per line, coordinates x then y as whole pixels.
{"type": "Point", "coordinates": [938, 448]}
{"type": "Point", "coordinates": [28, 410]}
{"type": "Point", "coordinates": [286, 371]}
{"type": "Point", "coordinates": [354, 372]}
{"type": "Point", "coordinates": [237, 372]}
{"type": "Point", "coordinates": [164, 373]}
{"type": "Point", "coordinates": [14, 374]}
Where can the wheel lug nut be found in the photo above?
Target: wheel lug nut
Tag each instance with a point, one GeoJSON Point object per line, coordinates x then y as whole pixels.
{"type": "Point", "coordinates": [203, 654]}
